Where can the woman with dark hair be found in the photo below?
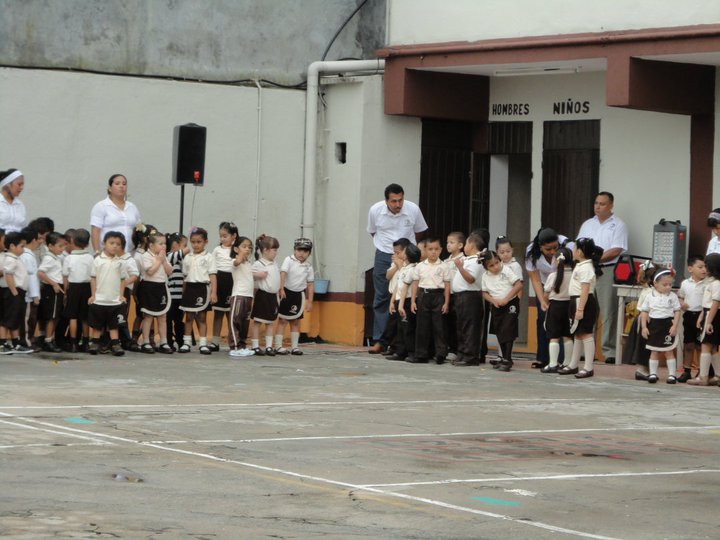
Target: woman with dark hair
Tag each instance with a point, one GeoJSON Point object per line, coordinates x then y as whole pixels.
{"type": "Point", "coordinates": [12, 209]}
{"type": "Point", "coordinates": [114, 213]}
{"type": "Point", "coordinates": [539, 265]}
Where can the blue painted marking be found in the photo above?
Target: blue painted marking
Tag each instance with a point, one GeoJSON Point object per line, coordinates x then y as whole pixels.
{"type": "Point", "coordinates": [77, 420]}
{"type": "Point", "coordinates": [496, 502]}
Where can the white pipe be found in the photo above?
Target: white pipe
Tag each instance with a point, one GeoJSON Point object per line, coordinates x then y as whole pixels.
{"type": "Point", "coordinates": [257, 166]}
{"type": "Point", "coordinates": [307, 223]}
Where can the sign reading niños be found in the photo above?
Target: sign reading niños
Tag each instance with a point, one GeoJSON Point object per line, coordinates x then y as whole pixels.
{"type": "Point", "coordinates": [570, 106]}
{"type": "Point", "coordinates": [510, 109]}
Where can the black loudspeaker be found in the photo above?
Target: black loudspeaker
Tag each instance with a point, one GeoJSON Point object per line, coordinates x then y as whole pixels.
{"type": "Point", "coordinates": [189, 154]}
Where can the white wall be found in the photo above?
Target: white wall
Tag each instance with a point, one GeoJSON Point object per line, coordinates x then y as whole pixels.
{"type": "Point", "coordinates": [430, 21]}
{"type": "Point", "coordinates": [69, 132]}
{"type": "Point", "coordinates": [380, 150]}
{"type": "Point", "coordinates": [644, 156]}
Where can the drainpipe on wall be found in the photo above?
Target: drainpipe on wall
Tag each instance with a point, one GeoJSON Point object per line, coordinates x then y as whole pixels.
{"type": "Point", "coordinates": [257, 166]}
{"type": "Point", "coordinates": [369, 67]}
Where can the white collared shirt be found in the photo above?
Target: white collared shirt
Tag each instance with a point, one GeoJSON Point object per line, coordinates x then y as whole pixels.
{"type": "Point", "coordinates": [109, 272]}
{"type": "Point", "coordinates": [692, 292]}
{"type": "Point", "coordinates": [584, 272]}
{"type": "Point", "coordinates": [499, 285]}
{"type": "Point", "coordinates": [106, 216]}
{"type": "Point", "coordinates": [33, 283]}
{"type": "Point", "coordinates": [223, 259]}
{"type": "Point", "coordinates": [271, 282]}
{"type": "Point", "coordinates": [298, 274]}
{"type": "Point", "coordinates": [474, 268]}
{"type": "Point", "coordinates": [660, 306]}
{"type": "Point", "coordinates": [197, 267]}
{"type": "Point", "coordinates": [611, 233]}
{"type": "Point", "coordinates": [242, 280]}
{"type": "Point", "coordinates": [12, 215]}
{"type": "Point", "coordinates": [387, 227]}
{"type": "Point", "coordinates": [13, 266]}
{"type": "Point", "coordinates": [131, 267]}
{"type": "Point", "coordinates": [160, 275]}
{"type": "Point", "coordinates": [77, 266]}
{"type": "Point", "coordinates": [564, 293]}
{"type": "Point", "coordinates": [52, 266]}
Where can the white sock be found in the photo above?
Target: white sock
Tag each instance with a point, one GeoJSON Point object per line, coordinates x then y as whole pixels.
{"type": "Point", "coordinates": [589, 346]}
{"type": "Point", "coordinates": [575, 358]}
{"type": "Point", "coordinates": [554, 348]}
{"type": "Point", "coordinates": [294, 339]}
{"type": "Point", "coordinates": [278, 340]}
{"type": "Point", "coordinates": [672, 367]}
{"type": "Point", "coordinates": [715, 361]}
{"type": "Point", "coordinates": [705, 360]}
{"type": "Point", "coordinates": [255, 343]}
{"type": "Point", "coordinates": [654, 364]}
{"type": "Point", "coordinates": [48, 339]}
{"type": "Point", "coordinates": [268, 342]}
{"type": "Point", "coordinates": [568, 346]}
{"type": "Point", "coordinates": [187, 340]}
{"type": "Point", "coordinates": [203, 341]}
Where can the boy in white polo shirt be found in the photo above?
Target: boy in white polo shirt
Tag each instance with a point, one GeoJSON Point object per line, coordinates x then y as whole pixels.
{"type": "Point", "coordinates": [430, 300]}
{"type": "Point", "coordinates": [16, 283]}
{"type": "Point", "coordinates": [107, 285]}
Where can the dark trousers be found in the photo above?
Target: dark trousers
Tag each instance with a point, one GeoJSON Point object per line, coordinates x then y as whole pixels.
{"type": "Point", "coordinates": [391, 329]}
{"type": "Point", "coordinates": [27, 329]}
{"type": "Point", "coordinates": [405, 342]}
{"type": "Point", "coordinates": [468, 311]}
{"type": "Point", "coordinates": [429, 324]}
{"type": "Point", "coordinates": [483, 333]}
{"type": "Point", "coordinates": [451, 332]}
{"type": "Point", "coordinates": [381, 302]}
{"type": "Point", "coordinates": [175, 323]}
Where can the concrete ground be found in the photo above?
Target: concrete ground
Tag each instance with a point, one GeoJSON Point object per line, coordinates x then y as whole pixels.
{"type": "Point", "coordinates": [338, 444]}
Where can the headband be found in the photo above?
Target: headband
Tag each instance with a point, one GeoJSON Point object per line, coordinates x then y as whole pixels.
{"type": "Point", "coordinates": [10, 178]}
{"type": "Point", "coordinates": [561, 256]}
{"type": "Point", "coordinates": [714, 215]}
{"type": "Point", "coordinates": [662, 273]}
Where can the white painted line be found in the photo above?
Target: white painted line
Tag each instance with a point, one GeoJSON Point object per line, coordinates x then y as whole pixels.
{"type": "Point", "coordinates": [63, 433]}
{"type": "Point", "coordinates": [546, 477]}
{"type": "Point", "coordinates": [642, 427]}
{"type": "Point", "coordinates": [344, 485]}
{"type": "Point", "coordinates": [56, 445]}
{"type": "Point", "coordinates": [675, 399]}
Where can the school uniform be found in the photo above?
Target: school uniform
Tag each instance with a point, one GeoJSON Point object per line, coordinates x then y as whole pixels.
{"type": "Point", "coordinates": [297, 276]}
{"type": "Point", "coordinates": [468, 309]}
{"type": "Point", "coordinates": [224, 264]}
{"type": "Point", "coordinates": [154, 293]}
{"type": "Point", "coordinates": [241, 298]}
{"type": "Point", "coordinates": [557, 322]}
{"type": "Point", "coordinates": [503, 320]}
{"type": "Point", "coordinates": [265, 304]}
{"type": "Point", "coordinates": [660, 309]}
{"type": "Point", "coordinates": [14, 305]}
{"type": "Point", "coordinates": [131, 267]}
{"type": "Point", "coordinates": [174, 322]}
{"type": "Point", "coordinates": [76, 268]}
{"type": "Point", "coordinates": [430, 297]}
{"type": "Point", "coordinates": [584, 272]}
{"type": "Point", "coordinates": [515, 267]}
{"type": "Point", "coordinates": [405, 342]}
{"type": "Point", "coordinates": [197, 268]}
{"type": "Point", "coordinates": [711, 294]}
{"type": "Point", "coordinates": [137, 287]}
{"type": "Point", "coordinates": [390, 334]}
{"type": "Point", "coordinates": [691, 292]}
{"type": "Point", "coordinates": [109, 273]}
{"type": "Point", "coordinates": [450, 318]}
{"type": "Point", "coordinates": [51, 302]}
{"type": "Point", "coordinates": [27, 330]}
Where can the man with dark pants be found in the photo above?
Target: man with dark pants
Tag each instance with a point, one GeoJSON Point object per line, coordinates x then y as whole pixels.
{"type": "Point", "coordinates": [610, 233]}
{"type": "Point", "coordinates": [388, 221]}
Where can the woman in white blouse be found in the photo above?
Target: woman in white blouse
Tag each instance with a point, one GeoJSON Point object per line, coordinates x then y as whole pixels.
{"type": "Point", "coordinates": [114, 213]}
{"type": "Point", "coordinates": [12, 209]}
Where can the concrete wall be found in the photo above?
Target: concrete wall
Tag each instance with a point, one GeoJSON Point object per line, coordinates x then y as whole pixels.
{"type": "Point", "coordinates": [71, 131]}
{"type": "Point", "coordinates": [195, 39]}
{"type": "Point", "coordinates": [430, 21]}
{"type": "Point", "coordinates": [644, 156]}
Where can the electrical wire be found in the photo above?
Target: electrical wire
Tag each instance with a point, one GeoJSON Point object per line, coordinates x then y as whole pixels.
{"type": "Point", "coordinates": [342, 27]}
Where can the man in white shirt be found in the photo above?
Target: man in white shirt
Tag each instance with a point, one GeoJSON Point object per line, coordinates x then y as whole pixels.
{"type": "Point", "coordinates": [610, 233]}
{"type": "Point", "coordinates": [388, 221]}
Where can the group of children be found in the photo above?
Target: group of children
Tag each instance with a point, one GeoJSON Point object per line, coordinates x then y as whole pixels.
{"type": "Point", "coordinates": [54, 288]}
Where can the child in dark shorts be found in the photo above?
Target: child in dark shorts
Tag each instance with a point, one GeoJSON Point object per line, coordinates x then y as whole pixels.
{"type": "Point", "coordinates": [690, 295]}
{"type": "Point", "coordinates": [13, 293]}
{"type": "Point", "coordinates": [76, 271]}
{"type": "Point", "coordinates": [52, 295]}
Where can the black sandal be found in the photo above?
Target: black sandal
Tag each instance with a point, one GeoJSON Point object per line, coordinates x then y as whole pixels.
{"type": "Point", "coordinates": [538, 365]}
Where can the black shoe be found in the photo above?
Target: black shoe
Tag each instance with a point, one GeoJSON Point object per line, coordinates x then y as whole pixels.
{"type": "Point", "coordinates": [415, 360]}
{"type": "Point", "coordinates": [395, 357]}
{"type": "Point", "coordinates": [93, 348]}
{"type": "Point", "coordinates": [685, 376]}
{"type": "Point", "coordinates": [652, 379]}
{"type": "Point", "coordinates": [117, 350]}
{"type": "Point", "coordinates": [610, 360]}
{"type": "Point", "coordinates": [258, 351]}
{"type": "Point", "coordinates": [505, 366]}
{"type": "Point", "coordinates": [439, 360]}
{"type": "Point", "coordinates": [463, 363]}
{"type": "Point", "coordinates": [567, 370]}
{"type": "Point", "coordinates": [538, 365]}
{"type": "Point", "coordinates": [388, 352]}
{"type": "Point", "coordinates": [51, 346]}
{"type": "Point", "coordinates": [639, 376]}
{"type": "Point", "coordinates": [549, 369]}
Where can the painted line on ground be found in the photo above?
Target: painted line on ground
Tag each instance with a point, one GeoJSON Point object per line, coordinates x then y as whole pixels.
{"type": "Point", "coordinates": [318, 479]}
{"type": "Point", "coordinates": [52, 445]}
{"type": "Point", "coordinates": [644, 399]}
{"type": "Point", "coordinates": [544, 477]}
{"type": "Point", "coordinates": [642, 427]}
{"type": "Point", "coordinates": [64, 432]}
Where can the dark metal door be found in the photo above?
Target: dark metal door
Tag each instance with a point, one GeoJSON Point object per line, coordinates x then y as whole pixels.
{"type": "Point", "coordinates": [571, 171]}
